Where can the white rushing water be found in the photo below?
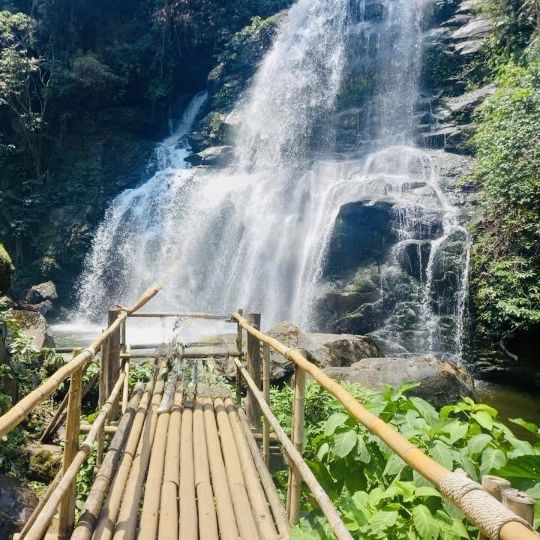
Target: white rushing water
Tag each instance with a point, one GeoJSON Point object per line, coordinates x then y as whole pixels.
{"type": "Point", "coordinates": [256, 233]}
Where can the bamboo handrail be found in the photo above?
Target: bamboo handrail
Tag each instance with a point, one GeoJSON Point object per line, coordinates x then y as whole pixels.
{"type": "Point", "coordinates": [413, 456]}
{"type": "Point", "coordinates": [25, 406]}
{"type": "Point", "coordinates": [40, 526]}
{"type": "Point", "coordinates": [328, 509]}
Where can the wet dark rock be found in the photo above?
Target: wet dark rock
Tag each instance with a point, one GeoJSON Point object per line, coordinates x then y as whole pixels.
{"type": "Point", "coordinates": [441, 382]}
{"type": "Point", "coordinates": [17, 502]}
{"type": "Point", "coordinates": [217, 156]}
{"type": "Point", "coordinates": [460, 108]}
{"type": "Point", "coordinates": [362, 235]}
{"type": "Point", "coordinates": [413, 258]}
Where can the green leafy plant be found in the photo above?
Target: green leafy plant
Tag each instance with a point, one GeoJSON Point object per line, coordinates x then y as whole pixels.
{"type": "Point", "coordinates": [377, 494]}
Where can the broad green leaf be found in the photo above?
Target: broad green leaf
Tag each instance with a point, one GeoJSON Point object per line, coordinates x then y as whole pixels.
{"type": "Point", "coordinates": [527, 467]}
{"type": "Point", "coordinates": [477, 443]}
{"type": "Point", "coordinates": [456, 431]}
{"type": "Point", "coordinates": [323, 450]}
{"type": "Point", "coordinates": [344, 443]}
{"type": "Point", "coordinates": [424, 523]}
{"type": "Point", "coordinates": [441, 453]}
{"type": "Point", "coordinates": [426, 411]}
{"type": "Point", "coordinates": [484, 419]}
{"type": "Point", "coordinates": [492, 458]}
{"type": "Point", "coordinates": [394, 465]}
{"type": "Point", "coordinates": [382, 520]}
{"type": "Point", "coordinates": [335, 421]}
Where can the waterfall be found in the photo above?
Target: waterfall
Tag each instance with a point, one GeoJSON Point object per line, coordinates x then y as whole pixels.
{"type": "Point", "coordinates": [258, 234]}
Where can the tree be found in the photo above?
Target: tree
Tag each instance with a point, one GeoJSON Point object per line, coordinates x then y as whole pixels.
{"type": "Point", "coordinates": [23, 80]}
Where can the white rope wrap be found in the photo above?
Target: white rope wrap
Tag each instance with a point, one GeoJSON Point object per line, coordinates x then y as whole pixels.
{"type": "Point", "coordinates": [488, 514]}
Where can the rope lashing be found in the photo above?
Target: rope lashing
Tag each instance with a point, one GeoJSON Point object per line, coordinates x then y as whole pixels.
{"type": "Point", "coordinates": [477, 504]}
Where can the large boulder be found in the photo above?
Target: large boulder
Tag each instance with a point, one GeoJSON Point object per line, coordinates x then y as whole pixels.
{"type": "Point", "coordinates": [325, 350]}
{"type": "Point", "coordinates": [440, 382]}
{"type": "Point", "coordinates": [6, 270]}
{"type": "Point", "coordinates": [17, 502]}
{"type": "Point", "coordinates": [42, 292]}
{"type": "Point", "coordinates": [34, 325]}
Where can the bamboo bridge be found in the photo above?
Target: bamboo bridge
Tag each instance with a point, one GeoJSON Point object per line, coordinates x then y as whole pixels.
{"type": "Point", "coordinates": [178, 461]}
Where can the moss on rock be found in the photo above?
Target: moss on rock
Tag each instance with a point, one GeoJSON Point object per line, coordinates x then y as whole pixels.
{"type": "Point", "coordinates": [6, 270]}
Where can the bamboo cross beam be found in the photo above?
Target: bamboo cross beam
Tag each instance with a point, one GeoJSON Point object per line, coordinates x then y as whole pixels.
{"type": "Point", "coordinates": [26, 405]}
{"type": "Point", "coordinates": [160, 315]}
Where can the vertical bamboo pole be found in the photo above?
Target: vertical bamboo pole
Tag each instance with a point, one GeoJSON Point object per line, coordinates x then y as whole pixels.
{"type": "Point", "coordinates": [239, 349]}
{"type": "Point", "coordinates": [294, 488]}
{"type": "Point", "coordinates": [266, 394]}
{"type": "Point", "coordinates": [73, 423]}
{"type": "Point", "coordinates": [123, 350]}
{"type": "Point", "coordinates": [254, 369]}
{"type": "Point", "coordinates": [113, 365]}
{"type": "Point", "coordinates": [519, 503]}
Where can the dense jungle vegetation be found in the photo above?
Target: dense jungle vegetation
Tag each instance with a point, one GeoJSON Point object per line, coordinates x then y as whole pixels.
{"type": "Point", "coordinates": [505, 273]}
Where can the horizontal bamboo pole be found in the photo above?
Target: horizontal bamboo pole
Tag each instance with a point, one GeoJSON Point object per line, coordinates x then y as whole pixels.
{"type": "Point", "coordinates": [413, 456]}
{"type": "Point", "coordinates": [25, 406]}
{"type": "Point", "coordinates": [295, 457]}
{"type": "Point", "coordinates": [86, 428]}
{"type": "Point", "coordinates": [41, 524]}
{"type": "Point", "coordinates": [206, 316]}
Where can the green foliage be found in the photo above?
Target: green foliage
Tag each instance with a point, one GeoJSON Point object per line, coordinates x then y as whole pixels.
{"type": "Point", "coordinates": [377, 494]}
{"type": "Point", "coordinates": [6, 270]}
{"type": "Point", "coordinates": [506, 259]}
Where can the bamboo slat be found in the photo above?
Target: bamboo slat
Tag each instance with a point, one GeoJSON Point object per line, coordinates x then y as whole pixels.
{"type": "Point", "coordinates": [280, 516]}
{"type": "Point", "coordinates": [168, 520]}
{"type": "Point", "coordinates": [188, 504]}
{"type": "Point", "coordinates": [109, 513]}
{"type": "Point", "coordinates": [235, 476]}
{"type": "Point", "coordinates": [126, 525]}
{"type": "Point", "coordinates": [261, 511]}
{"type": "Point", "coordinates": [94, 502]}
{"type": "Point", "coordinates": [208, 527]}
{"type": "Point", "coordinates": [228, 529]}
{"type": "Point", "coordinates": [148, 527]}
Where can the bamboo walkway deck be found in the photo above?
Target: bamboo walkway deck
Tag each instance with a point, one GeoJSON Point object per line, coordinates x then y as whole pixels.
{"type": "Point", "coordinates": [182, 465]}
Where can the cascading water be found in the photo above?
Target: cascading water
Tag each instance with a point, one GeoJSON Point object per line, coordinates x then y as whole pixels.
{"type": "Point", "coordinates": [261, 233]}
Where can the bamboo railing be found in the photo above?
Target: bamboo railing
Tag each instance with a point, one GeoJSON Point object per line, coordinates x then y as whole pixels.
{"type": "Point", "coordinates": [62, 491]}
{"type": "Point", "coordinates": [481, 505]}
{"type": "Point", "coordinates": [26, 405]}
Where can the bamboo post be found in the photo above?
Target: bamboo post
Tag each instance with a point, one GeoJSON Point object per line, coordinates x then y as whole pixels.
{"type": "Point", "coordinates": [67, 506]}
{"type": "Point", "coordinates": [294, 488]}
{"type": "Point", "coordinates": [112, 363]}
{"type": "Point", "coordinates": [239, 346]}
{"type": "Point", "coordinates": [519, 503]}
{"type": "Point", "coordinates": [266, 394]}
{"type": "Point", "coordinates": [254, 369]}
